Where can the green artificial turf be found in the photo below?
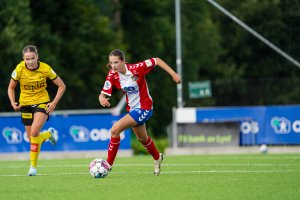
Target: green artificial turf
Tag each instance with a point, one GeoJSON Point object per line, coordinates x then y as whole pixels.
{"type": "Point", "coordinates": [234, 177]}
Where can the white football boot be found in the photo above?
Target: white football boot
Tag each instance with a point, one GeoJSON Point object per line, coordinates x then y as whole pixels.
{"type": "Point", "coordinates": [109, 166]}
{"type": "Point", "coordinates": [52, 138]}
{"type": "Point", "coordinates": [157, 164]}
{"type": "Point", "coordinates": [32, 171]}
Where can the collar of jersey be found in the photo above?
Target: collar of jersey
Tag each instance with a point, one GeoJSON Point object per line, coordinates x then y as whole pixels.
{"type": "Point", "coordinates": [38, 66]}
{"type": "Point", "coordinates": [127, 71]}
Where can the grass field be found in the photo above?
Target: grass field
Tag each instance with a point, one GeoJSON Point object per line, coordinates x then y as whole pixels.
{"type": "Point", "coordinates": [240, 177]}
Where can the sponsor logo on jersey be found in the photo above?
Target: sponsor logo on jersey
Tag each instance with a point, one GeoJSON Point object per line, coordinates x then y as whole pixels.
{"type": "Point", "coordinates": [130, 90]}
{"type": "Point", "coordinates": [148, 63]}
{"type": "Point", "coordinates": [14, 74]}
{"type": "Point", "coordinates": [107, 85]}
{"type": "Point", "coordinates": [26, 115]}
{"type": "Point", "coordinates": [38, 84]}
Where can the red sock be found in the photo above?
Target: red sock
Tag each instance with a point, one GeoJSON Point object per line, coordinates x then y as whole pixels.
{"type": "Point", "coordinates": [151, 148]}
{"type": "Point", "coordinates": [113, 149]}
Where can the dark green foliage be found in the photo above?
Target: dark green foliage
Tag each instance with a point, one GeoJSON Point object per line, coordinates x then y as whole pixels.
{"type": "Point", "coordinates": [15, 33]}
{"type": "Point", "coordinates": [80, 38]}
{"type": "Point", "coordinates": [258, 75]}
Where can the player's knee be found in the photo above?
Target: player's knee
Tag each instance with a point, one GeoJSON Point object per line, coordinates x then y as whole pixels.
{"type": "Point", "coordinates": [115, 131]}
{"type": "Point", "coordinates": [142, 140]}
{"type": "Point", "coordinates": [34, 133]}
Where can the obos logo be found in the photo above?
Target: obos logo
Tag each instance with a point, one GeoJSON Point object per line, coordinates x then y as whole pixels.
{"type": "Point", "coordinates": [82, 134]}
{"type": "Point", "coordinates": [281, 125]}
{"type": "Point", "coordinates": [296, 126]}
{"type": "Point", "coordinates": [79, 133]}
{"type": "Point", "coordinates": [12, 135]}
{"type": "Point", "coordinates": [249, 127]}
{"type": "Point", "coordinates": [103, 135]}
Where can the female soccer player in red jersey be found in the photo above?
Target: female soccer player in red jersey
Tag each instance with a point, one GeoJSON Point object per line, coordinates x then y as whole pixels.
{"type": "Point", "coordinates": [34, 102]}
{"type": "Point", "coordinates": [131, 79]}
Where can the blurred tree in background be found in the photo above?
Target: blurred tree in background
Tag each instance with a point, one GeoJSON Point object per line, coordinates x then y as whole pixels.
{"type": "Point", "coordinates": [75, 38]}
{"type": "Point", "coordinates": [15, 32]}
{"type": "Point", "coordinates": [257, 74]}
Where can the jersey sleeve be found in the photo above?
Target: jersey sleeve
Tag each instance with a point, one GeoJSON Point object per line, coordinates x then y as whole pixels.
{"type": "Point", "coordinates": [51, 74]}
{"type": "Point", "coordinates": [15, 75]}
{"type": "Point", "coordinates": [145, 66]}
{"type": "Point", "coordinates": [108, 84]}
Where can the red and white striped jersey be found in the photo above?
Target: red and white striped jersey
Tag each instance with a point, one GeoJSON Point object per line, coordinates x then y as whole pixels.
{"type": "Point", "coordinates": [133, 84]}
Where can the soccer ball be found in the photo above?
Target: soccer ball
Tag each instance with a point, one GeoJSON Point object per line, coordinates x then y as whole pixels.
{"type": "Point", "coordinates": [263, 148]}
{"type": "Point", "coordinates": [99, 168]}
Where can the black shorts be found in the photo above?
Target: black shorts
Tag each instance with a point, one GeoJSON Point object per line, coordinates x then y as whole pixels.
{"type": "Point", "coordinates": [27, 112]}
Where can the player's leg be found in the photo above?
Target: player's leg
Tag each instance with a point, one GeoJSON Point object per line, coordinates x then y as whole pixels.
{"type": "Point", "coordinates": [36, 140]}
{"type": "Point", "coordinates": [142, 136]}
{"type": "Point", "coordinates": [113, 147]}
{"type": "Point", "coordinates": [27, 119]}
{"type": "Point", "coordinates": [49, 134]}
{"type": "Point", "coordinates": [28, 130]}
{"type": "Point", "coordinates": [32, 169]}
{"type": "Point", "coordinates": [52, 132]}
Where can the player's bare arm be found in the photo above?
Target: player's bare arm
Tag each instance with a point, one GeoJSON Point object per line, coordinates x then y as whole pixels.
{"type": "Point", "coordinates": [176, 77]}
{"type": "Point", "coordinates": [60, 91]}
{"type": "Point", "coordinates": [12, 96]}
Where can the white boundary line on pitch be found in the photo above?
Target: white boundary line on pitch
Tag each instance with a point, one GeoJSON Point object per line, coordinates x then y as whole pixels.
{"type": "Point", "coordinates": [254, 157]}
{"type": "Point", "coordinates": [170, 172]}
{"type": "Point", "coordinates": [145, 165]}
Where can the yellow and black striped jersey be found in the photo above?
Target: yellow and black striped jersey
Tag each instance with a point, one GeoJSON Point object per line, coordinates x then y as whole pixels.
{"type": "Point", "coordinates": [33, 83]}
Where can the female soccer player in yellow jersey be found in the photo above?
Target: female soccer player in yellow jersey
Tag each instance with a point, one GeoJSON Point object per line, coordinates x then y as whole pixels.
{"type": "Point", "coordinates": [34, 102]}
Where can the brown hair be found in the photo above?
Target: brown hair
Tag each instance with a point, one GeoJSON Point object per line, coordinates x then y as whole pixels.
{"type": "Point", "coordinates": [30, 48]}
{"type": "Point", "coordinates": [116, 52]}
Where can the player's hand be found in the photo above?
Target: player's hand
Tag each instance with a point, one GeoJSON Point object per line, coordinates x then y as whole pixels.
{"type": "Point", "coordinates": [50, 107]}
{"type": "Point", "coordinates": [16, 106]}
{"type": "Point", "coordinates": [176, 77]}
{"type": "Point", "coordinates": [104, 101]}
